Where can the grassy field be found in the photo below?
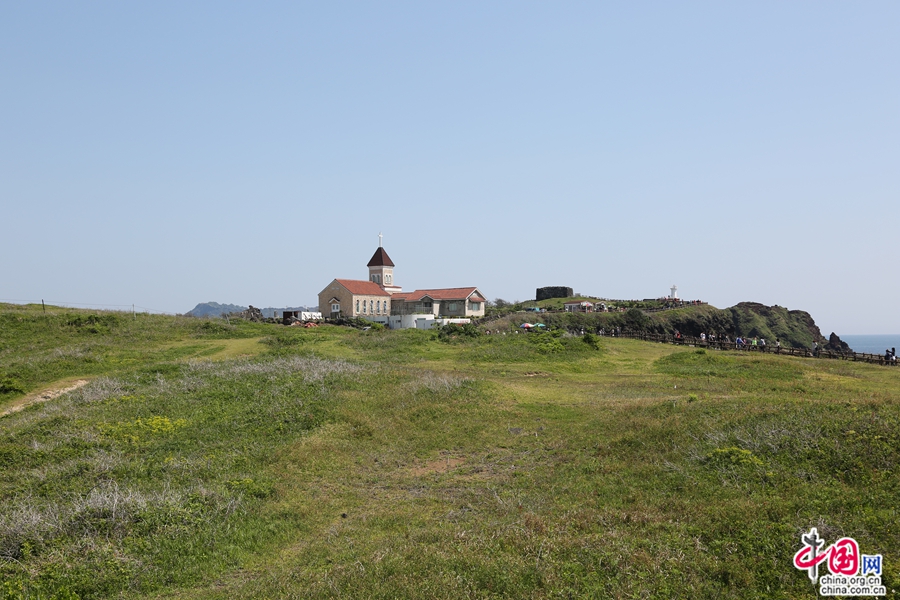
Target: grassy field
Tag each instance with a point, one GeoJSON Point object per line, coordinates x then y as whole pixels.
{"type": "Point", "coordinates": [215, 460]}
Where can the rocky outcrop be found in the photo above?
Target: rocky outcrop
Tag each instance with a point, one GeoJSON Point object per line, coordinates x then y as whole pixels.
{"type": "Point", "coordinates": [792, 328]}
{"type": "Point", "coordinates": [836, 344]}
{"type": "Point", "coordinates": [251, 314]}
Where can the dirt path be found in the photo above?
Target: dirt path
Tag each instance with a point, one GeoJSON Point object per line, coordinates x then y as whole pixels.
{"type": "Point", "coordinates": [47, 394]}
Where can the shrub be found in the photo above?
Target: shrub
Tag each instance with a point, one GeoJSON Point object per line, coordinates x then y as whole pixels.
{"type": "Point", "coordinates": [591, 340]}
{"type": "Point", "coordinates": [93, 320]}
{"type": "Point", "coordinates": [10, 385]}
{"type": "Point", "coordinates": [546, 343]}
{"type": "Point", "coordinates": [451, 330]}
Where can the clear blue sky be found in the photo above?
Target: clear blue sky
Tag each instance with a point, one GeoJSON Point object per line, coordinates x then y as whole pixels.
{"type": "Point", "coordinates": [166, 154]}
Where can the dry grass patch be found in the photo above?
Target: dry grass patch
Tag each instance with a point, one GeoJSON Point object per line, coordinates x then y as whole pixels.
{"type": "Point", "coordinates": [54, 391]}
{"type": "Point", "coordinates": [434, 467]}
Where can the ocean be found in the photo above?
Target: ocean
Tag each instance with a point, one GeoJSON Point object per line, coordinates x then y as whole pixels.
{"type": "Point", "coordinates": [872, 344]}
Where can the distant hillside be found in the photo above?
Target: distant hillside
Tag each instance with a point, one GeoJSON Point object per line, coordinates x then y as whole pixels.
{"type": "Point", "coordinates": [795, 328]}
{"type": "Point", "coordinates": [746, 319]}
{"type": "Point", "coordinates": [214, 309]}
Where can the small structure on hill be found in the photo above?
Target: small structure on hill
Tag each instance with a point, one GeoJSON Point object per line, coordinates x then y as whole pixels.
{"type": "Point", "coordinates": [674, 292]}
{"type": "Point", "coordinates": [546, 293]}
{"type": "Point", "coordinates": [289, 317]}
{"type": "Point", "coordinates": [579, 306]}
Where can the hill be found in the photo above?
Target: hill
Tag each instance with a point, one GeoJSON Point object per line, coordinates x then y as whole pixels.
{"type": "Point", "coordinates": [214, 309]}
{"type": "Point", "coordinates": [248, 460]}
{"type": "Point", "coordinates": [795, 328]}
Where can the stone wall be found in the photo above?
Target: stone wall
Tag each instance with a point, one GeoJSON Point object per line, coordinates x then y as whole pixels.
{"type": "Point", "coordinates": [545, 293]}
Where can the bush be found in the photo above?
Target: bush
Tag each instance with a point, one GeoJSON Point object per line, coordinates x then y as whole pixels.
{"type": "Point", "coordinates": [546, 343]}
{"type": "Point", "coordinates": [591, 340]}
{"type": "Point", "coordinates": [451, 330]}
{"type": "Point", "coordinates": [10, 385]}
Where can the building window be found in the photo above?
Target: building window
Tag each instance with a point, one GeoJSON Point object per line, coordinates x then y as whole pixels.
{"type": "Point", "coordinates": [387, 279]}
{"type": "Point", "coordinates": [335, 308]}
{"type": "Point", "coordinates": [474, 305]}
{"type": "Point", "coordinates": [372, 306]}
{"type": "Point", "coordinates": [364, 307]}
{"type": "Point", "coordinates": [378, 307]}
{"type": "Point", "coordinates": [357, 306]}
{"type": "Point", "coordinates": [451, 307]}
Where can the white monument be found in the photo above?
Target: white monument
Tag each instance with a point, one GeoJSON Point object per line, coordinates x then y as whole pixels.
{"type": "Point", "coordinates": [674, 294]}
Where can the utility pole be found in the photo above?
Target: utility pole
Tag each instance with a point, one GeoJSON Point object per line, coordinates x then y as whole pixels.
{"type": "Point", "coordinates": [43, 306]}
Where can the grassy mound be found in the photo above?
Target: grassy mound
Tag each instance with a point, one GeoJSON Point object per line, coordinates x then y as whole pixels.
{"type": "Point", "coordinates": [333, 462]}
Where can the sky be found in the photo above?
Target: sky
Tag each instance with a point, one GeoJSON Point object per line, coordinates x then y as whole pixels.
{"type": "Point", "coordinates": [169, 153]}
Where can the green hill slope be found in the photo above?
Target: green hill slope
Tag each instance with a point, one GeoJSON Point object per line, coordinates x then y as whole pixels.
{"type": "Point", "coordinates": [794, 328]}
{"type": "Point", "coordinates": [396, 464]}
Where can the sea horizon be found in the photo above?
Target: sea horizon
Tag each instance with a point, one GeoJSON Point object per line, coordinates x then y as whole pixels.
{"type": "Point", "coordinates": [872, 344]}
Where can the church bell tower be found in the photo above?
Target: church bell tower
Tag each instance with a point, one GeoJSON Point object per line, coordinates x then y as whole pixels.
{"type": "Point", "coordinates": [381, 270]}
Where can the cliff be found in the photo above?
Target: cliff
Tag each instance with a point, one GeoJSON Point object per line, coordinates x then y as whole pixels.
{"type": "Point", "coordinates": [793, 328]}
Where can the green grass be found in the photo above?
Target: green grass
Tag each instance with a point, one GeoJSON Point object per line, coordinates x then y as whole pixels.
{"type": "Point", "coordinates": [332, 462]}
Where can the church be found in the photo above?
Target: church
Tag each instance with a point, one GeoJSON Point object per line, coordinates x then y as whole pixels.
{"type": "Point", "coordinates": [381, 300]}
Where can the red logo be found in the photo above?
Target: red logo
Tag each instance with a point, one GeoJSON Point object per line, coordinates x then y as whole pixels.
{"type": "Point", "coordinates": [842, 556]}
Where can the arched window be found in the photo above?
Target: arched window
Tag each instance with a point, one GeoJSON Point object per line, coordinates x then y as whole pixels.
{"type": "Point", "coordinates": [357, 306]}
{"type": "Point", "coordinates": [372, 306]}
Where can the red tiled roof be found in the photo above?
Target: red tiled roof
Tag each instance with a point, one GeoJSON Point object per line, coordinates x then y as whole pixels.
{"type": "Point", "coordinates": [380, 259]}
{"type": "Point", "coordinates": [441, 294]}
{"type": "Point", "coordinates": [362, 288]}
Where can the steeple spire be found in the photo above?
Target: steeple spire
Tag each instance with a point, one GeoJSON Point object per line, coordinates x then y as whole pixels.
{"type": "Point", "coordinates": [379, 239]}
